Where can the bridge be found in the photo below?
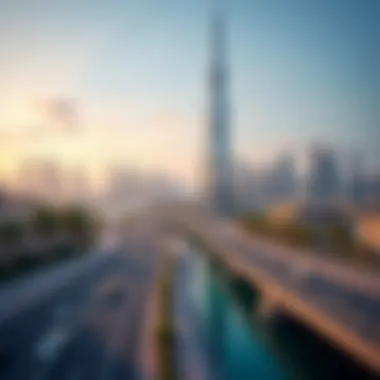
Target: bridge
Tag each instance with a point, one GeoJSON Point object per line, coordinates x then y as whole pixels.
{"type": "Point", "coordinates": [340, 303]}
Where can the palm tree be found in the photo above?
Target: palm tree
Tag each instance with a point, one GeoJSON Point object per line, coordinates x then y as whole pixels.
{"type": "Point", "coordinates": [44, 229]}
{"type": "Point", "coordinates": [78, 224]}
{"type": "Point", "coordinates": [11, 237]}
{"type": "Point", "coordinates": [11, 232]}
{"type": "Point", "coordinates": [45, 222]}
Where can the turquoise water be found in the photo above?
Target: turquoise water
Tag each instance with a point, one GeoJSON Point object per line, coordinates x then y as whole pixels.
{"type": "Point", "coordinates": [235, 350]}
{"type": "Point", "coordinates": [242, 346]}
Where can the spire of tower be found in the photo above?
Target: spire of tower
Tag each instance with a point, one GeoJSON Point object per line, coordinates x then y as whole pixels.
{"type": "Point", "coordinates": [218, 45]}
{"type": "Point", "coordinates": [220, 165]}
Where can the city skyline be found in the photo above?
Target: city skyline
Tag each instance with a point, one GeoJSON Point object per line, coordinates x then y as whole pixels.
{"type": "Point", "coordinates": [91, 84]}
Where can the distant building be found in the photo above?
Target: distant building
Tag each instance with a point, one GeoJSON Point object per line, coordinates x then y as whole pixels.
{"type": "Point", "coordinates": [128, 188]}
{"type": "Point", "coordinates": [316, 216]}
{"type": "Point", "coordinates": [51, 181]}
{"type": "Point", "coordinates": [281, 181]}
{"type": "Point", "coordinates": [124, 184]}
{"type": "Point", "coordinates": [41, 178]}
{"type": "Point", "coordinates": [373, 185]}
{"type": "Point", "coordinates": [78, 187]}
{"type": "Point", "coordinates": [159, 187]}
{"type": "Point", "coordinates": [363, 186]}
{"type": "Point", "coordinates": [246, 183]}
{"type": "Point", "coordinates": [355, 189]}
{"type": "Point", "coordinates": [323, 177]}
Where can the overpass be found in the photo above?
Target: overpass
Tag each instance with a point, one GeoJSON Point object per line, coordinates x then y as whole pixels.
{"type": "Point", "coordinates": [338, 303]}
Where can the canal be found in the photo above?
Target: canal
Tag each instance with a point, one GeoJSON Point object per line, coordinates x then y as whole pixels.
{"type": "Point", "coordinates": [241, 344]}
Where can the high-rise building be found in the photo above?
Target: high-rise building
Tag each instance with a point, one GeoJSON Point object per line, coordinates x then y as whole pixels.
{"type": "Point", "coordinates": [219, 176]}
{"type": "Point", "coordinates": [281, 181]}
{"type": "Point", "coordinates": [355, 189]}
{"type": "Point", "coordinates": [246, 183]}
{"type": "Point", "coordinates": [324, 177]}
{"type": "Point", "coordinates": [373, 191]}
{"type": "Point", "coordinates": [124, 187]}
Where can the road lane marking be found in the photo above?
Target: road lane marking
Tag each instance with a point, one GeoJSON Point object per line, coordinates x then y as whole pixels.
{"type": "Point", "coordinates": [21, 297]}
{"type": "Point", "coordinates": [48, 347]}
{"type": "Point", "coordinates": [48, 350]}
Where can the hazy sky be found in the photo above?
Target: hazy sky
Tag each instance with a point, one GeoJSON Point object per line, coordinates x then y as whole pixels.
{"type": "Point", "coordinates": [91, 80]}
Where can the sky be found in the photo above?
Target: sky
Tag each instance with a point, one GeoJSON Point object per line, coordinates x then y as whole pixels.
{"type": "Point", "coordinates": [89, 82]}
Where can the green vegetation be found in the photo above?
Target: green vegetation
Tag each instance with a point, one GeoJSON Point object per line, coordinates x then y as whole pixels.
{"type": "Point", "coordinates": [11, 232]}
{"type": "Point", "coordinates": [165, 327]}
{"type": "Point", "coordinates": [28, 264]}
{"type": "Point", "coordinates": [45, 221]}
{"type": "Point", "coordinates": [48, 235]}
{"type": "Point", "coordinates": [334, 239]}
{"type": "Point", "coordinates": [294, 234]}
{"type": "Point", "coordinates": [80, 225]}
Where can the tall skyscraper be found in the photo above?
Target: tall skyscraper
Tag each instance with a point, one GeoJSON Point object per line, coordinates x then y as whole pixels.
{"type": "Point", "coordinates": [220, 178]}
{"type": "Point", "coordinates": [281, 180]}
{"type": "Point", "coordinates": [324, 180]}
{"type": "Point", "coordinates": [355, 185]}
{"type": "Point", "coordinates": [245, 187]}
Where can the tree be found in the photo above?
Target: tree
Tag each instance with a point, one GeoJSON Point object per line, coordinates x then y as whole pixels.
{"type": "Point", "coordinates": [78, 224]}
{"type": "Point", "coordinates": [45, 222]}
{"type": "Point", "coordinates": [11, 232]}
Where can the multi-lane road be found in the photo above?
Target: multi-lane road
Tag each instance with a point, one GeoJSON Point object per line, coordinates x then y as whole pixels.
{"type": "Point", "coordinates": [85, 319]}
{"type": "Point", "coordinates": [344, 302]}
{"type": "Point", "coordinates": [81, 320]}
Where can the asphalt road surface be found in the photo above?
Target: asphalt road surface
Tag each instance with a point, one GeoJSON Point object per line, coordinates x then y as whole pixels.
{"type": "Point", "coordinates": [348, 296]}
{"type": "Point", "coordinates": [83, 320]}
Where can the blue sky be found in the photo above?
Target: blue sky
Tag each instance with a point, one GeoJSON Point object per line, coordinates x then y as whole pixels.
{"type": "Point", "coordinates": [136, 73]}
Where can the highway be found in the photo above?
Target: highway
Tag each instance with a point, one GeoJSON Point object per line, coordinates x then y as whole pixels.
{"type": "Point", "coordinates": [85, 319]}
{"type": "Point", "coordinates": [348, 298]}
{"type": "Point", "coordinates": [82, 320]}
